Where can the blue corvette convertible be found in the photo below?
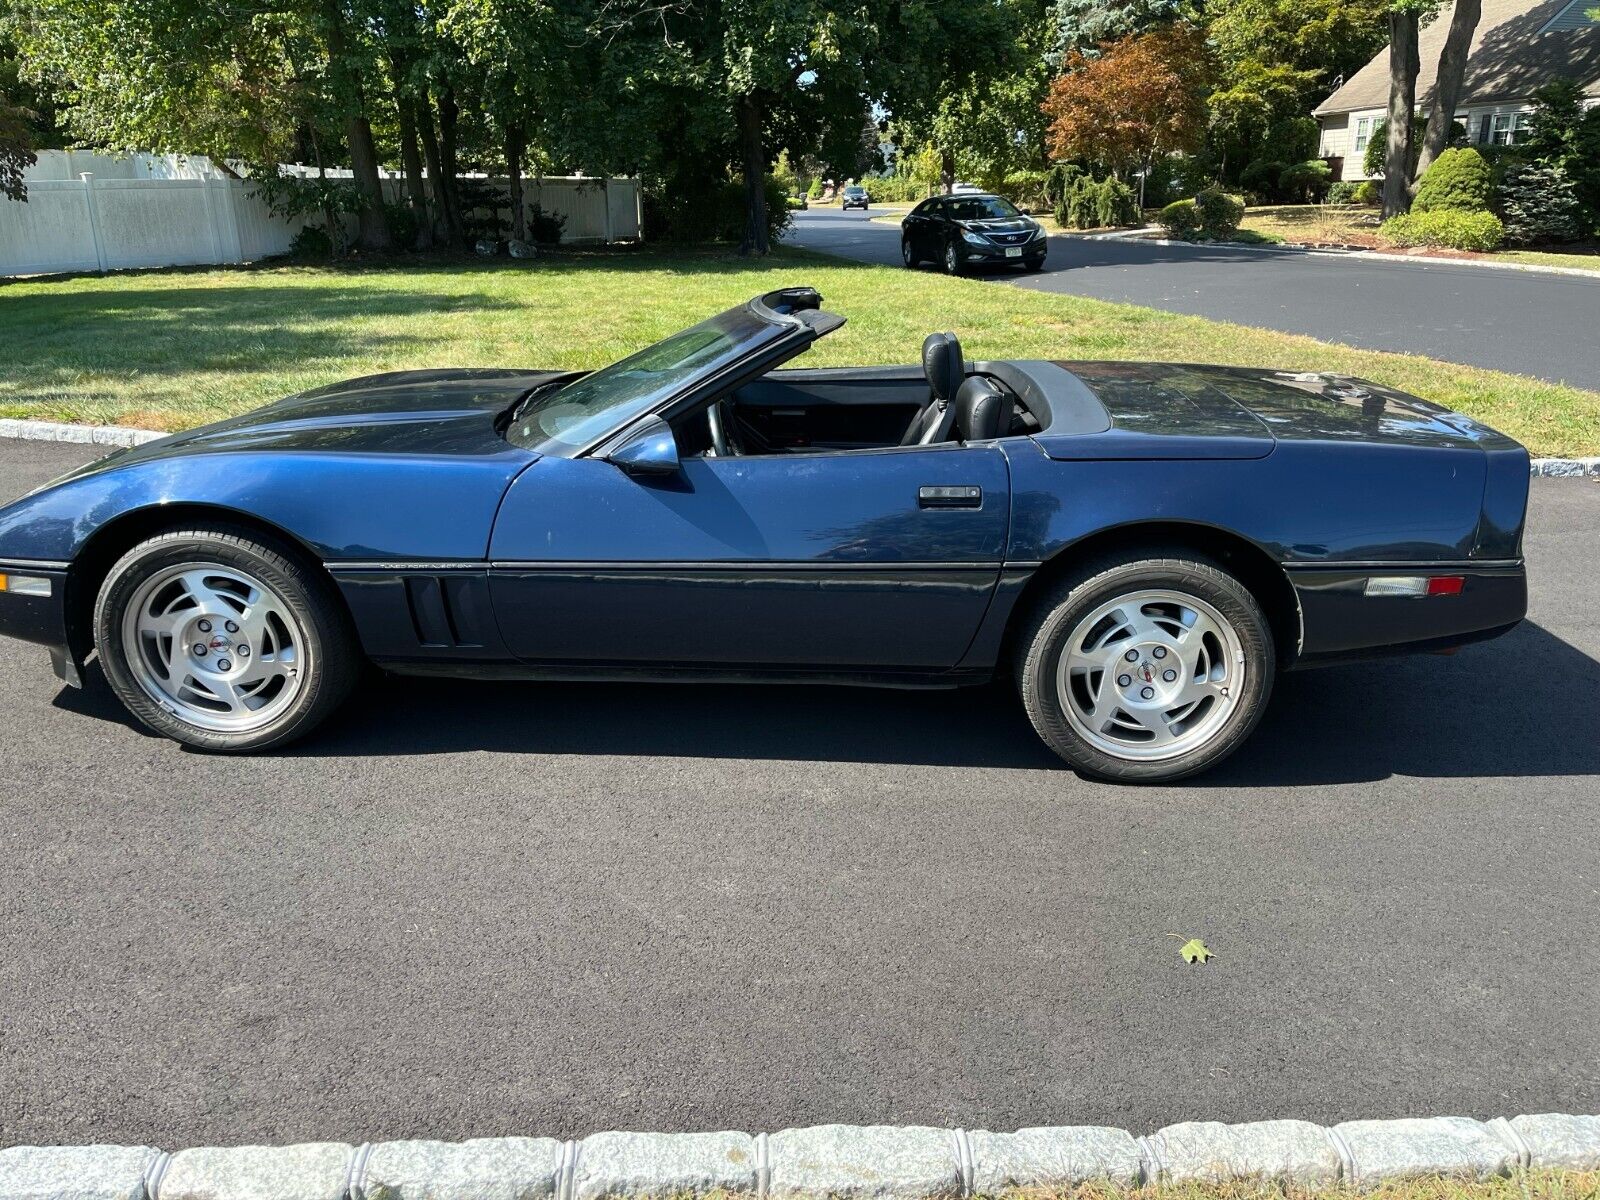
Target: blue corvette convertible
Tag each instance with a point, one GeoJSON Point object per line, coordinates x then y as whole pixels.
{"type": "Point", "coordinates": [1141, 546]}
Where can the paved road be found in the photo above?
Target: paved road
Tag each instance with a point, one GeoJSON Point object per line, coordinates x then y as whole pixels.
{"type": "Point", "coordinates": [1530, 324]}
{"type": "Point", "coordinates": [500, 909]}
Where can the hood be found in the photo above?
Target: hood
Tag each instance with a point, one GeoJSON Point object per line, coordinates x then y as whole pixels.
{"type": "Point", "coordinates": [1178, 410]}
{"type": "Point", "coordinates": [449, 412]}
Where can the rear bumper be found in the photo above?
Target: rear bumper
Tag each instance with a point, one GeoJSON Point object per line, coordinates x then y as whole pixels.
{"type": "Point", "coordinates": [1340, 622]}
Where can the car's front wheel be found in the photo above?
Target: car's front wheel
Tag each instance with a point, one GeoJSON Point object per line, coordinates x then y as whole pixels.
{"type": "Point", "coordinates": [1033, 264]}
{"type": "Point", "coordinates": [223, 640]}
{"type": "Point", "coordinates": [907, 254]}
{"type": "Point", "coordinates": [952, 259]}
{"type": "Point", "coordinates": [1144, 669]}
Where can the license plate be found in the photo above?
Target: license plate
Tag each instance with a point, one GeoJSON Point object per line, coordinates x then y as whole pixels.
{"type": "Point", "coordinates": [1013, 251]}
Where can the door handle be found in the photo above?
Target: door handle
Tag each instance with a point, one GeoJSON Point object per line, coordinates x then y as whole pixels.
{"type": "Point", "coordinates": [950, 496]}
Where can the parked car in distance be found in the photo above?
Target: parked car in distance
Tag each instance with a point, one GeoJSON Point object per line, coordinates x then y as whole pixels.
{"type": "Point", "coordinates": [855, 197]}
{"type": "Point", "coordinates": [1142, 547]}
{"type": "Point", "coordinates": [959, 232]}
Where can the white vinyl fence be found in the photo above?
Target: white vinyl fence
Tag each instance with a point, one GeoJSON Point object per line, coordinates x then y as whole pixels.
{"type": "Point", "coordinates": [163, 211]}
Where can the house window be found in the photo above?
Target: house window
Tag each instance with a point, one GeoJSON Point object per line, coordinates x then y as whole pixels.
{"type": "Point", "coordinates": [1364, 132]}
{"type": "Point", "coordinates": [1510, 128]}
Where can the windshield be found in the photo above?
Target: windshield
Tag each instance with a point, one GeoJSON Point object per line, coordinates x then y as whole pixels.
{"type": "Point", "coordinates": [981, 208]}
{"type": "Point", "coordinates": [855, 191]}
{"type": "Point", "coordinates": [572, 417]}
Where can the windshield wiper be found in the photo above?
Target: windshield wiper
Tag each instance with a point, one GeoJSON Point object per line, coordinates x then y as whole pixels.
{"type": "Point", "coordinates": [514, 413]}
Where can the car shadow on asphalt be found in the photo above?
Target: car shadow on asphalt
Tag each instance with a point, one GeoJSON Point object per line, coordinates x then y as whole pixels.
{"type": "Point", "coordinates": [1518, 706]}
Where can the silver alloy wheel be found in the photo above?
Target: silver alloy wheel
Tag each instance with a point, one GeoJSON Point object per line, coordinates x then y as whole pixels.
{"type": "Point", "coordinates": [214, 646]}
{"type": "Point", "coordinates": [1151, 675]}
{"type": "Point", "coordinates": [952, 261]}
{"type": "Point", "coordinates": [905, 252]}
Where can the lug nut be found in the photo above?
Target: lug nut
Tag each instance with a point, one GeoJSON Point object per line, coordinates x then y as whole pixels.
{"type": "Point", "coordinates": [230, 627]}
{"type": "Point", "coordinates": [1169, 676]}
{"type": "Point", "coordinates": [205, 626]}
{"type": "Point", "coordinates": [200, 649]}
{"type": "Point", "coordinates": [242, 651]}
{"type": "Point", "coordinates": [1132, 656]}
{"type": "Point", "coordinates": [224, 665]}
{"type": "Point", "coordinates": [1148, 693]}
{"type": "Point", "coordinates": [1159, 651]}
{"type": "Point", "coordinates": [1124, 680]}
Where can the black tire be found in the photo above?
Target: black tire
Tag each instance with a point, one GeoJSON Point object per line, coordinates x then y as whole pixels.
{"type": "Point", "coordinates": [908, 255]}
{"type": "Point", "coordinates": [327, 662]}
{"type": "Point", "coordinates": [1048, 629]}
{"type": "Point", "coordinates": [952, 260]}
{"type": "Point", "coordinates": [1033, 265]}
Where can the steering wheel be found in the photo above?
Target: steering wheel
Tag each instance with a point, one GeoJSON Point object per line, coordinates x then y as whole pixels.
{"type": "Point", "coordinates": [720, 418]}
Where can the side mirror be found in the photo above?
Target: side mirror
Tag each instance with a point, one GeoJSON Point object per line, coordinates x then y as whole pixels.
{"type": "Point", "coordinates": [652, 450]}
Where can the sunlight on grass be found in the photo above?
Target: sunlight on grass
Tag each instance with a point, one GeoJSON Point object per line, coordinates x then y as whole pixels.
{"type": "Point", "coordinates": [169, 350]}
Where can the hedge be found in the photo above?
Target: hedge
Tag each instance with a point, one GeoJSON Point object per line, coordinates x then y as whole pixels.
{"type": "Point", "coordinates": [1457, 181]}
{"type": "Point", "coordinates": [1444, 227]}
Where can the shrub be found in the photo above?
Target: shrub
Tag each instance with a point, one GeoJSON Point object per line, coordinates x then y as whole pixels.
{"type": "Point", "coordinates": [1369, 192]}
{"type": "Point", "coordinates": [814, 192]}
{"type": "Point", "coordinates": [1305, 181]}
{"type": "Point", "coordinates": [1056, 181]}
{"type": "Point", "coordinates": [312, 243]}
{"type": "Point", "coordinates": [544, 228]}
{"type": "Point", "coordinates": [709, 212]}
{"type": "Point", "coordinates": [1343, 192]}
{"type": "Point", "coordinates": [1262, 176]}
{"type": "Point", "coordinates": [1180, 219]}
{"type": "Point", "coordinates": [1539, 203]}
{"type": "Point", "coordinates": [1457, 181]}
{"type": "Point", "coordinates": [1095, 203]}
{"type": "Point", "coordinates": [1451, 228]}
{"type": "Point", "coordinates": [1219, 213]}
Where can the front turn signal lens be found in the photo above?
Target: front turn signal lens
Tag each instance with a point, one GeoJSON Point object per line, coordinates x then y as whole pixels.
{"type": "Point", "coordinates": [25, 585]}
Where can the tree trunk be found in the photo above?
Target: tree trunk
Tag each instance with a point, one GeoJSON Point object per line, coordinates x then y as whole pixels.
{"type": "Point", "coordinates": [435, 169]}
{"type": "Point", "coordinates": [516, 143]}
{"type": "Point", "coordinates": [1447, 83]}
{"type": "Point", "coordinates": [947, 171]}
{"type": "Point", "coordinates": [449, 163]}
{"type": "Point", "coordinates": [754, 161]}
{"type": "Point", "coordinates": [1404, 65]}
{"type": "Point", "coordinates": [373, 224]}
{"type": "Point", "coordinates": [405, 105]}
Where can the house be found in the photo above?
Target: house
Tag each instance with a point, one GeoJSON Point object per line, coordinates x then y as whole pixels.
{"type": "Point", "coordinates": [1519, 46]}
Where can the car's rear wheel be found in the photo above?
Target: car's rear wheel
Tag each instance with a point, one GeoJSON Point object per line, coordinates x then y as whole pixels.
{"type": "Point", "coordinates": [1146, 668]}
{"type": "Point", "coordinates": [907, 254]}
{"type": "Point", "coordinates": [224, 640]}
{"type": "Point", "coordinates": [952, 259]}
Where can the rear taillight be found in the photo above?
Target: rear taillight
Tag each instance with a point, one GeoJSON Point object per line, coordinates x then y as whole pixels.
{"type": "Point", "coordinates": [1415, 585]}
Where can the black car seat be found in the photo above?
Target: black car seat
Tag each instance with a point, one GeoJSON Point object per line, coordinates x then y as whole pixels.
{"type": "Point", "coordinates": [945, 368]}
{"type": "Point", "coordinates": [983, 410]}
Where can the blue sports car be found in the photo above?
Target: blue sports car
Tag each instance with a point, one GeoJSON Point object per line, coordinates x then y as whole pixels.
{"type": "Point", "coordinates": [1141, 546]}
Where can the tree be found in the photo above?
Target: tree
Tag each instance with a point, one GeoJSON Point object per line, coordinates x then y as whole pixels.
{"type": "Point", "coordinates": [1145, 96]}
{"type": "Point", "coordinates": [1083, 26]}
{"type": "Point", "coordinates": [1405, 18]}
{"type": "Point", "coordinates": [16, 150]}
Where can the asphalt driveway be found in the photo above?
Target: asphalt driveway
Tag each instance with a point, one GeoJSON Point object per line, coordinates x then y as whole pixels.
{"type": "Point", "coordinates": [482, 910]}
{"type": "Point", "coordinates": [1523, 322]}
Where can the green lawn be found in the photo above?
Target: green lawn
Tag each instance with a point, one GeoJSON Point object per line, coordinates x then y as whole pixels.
{"type": "Point", "coordinates": [171, 349]}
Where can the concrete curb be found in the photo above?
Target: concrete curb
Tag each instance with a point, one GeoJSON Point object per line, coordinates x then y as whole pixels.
{"type": "Point", "coordinates": [117, 435]}
{"type": "Point", "coordinates": [84, 435]}
{"type": "Point", "coordinates": [846, 1162]}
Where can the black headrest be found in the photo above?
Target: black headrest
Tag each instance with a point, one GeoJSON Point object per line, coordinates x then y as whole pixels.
{"type": "Point", "coordinates": [983, 410]}
{"type": "Point", "coordinates": [942, 364]}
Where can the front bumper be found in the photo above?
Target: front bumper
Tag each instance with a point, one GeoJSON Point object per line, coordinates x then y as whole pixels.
{"type": "Point", "coordinates": [39, 619]}
{"type": "Point", "coordinates": [992, 254]}
{"type": "Point", "coordinates": [1339, 621]}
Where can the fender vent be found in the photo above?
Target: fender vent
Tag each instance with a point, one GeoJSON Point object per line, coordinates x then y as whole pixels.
{"type": "Point", "coordinates": [446, 611]}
